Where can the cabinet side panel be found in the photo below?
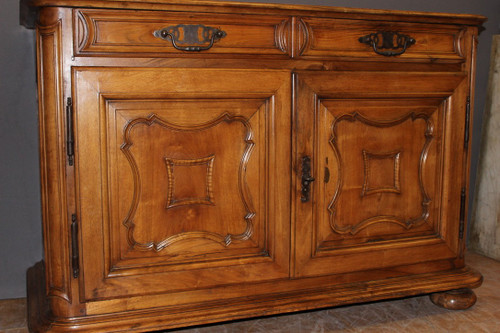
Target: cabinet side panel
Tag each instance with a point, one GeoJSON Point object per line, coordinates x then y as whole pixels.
{"type": "Point", "coordinates": [52, 160]}
{"type": "Point", "coordinates": [469, 42]}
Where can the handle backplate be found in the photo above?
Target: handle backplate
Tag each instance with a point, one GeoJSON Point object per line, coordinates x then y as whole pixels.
{"type": "Point", "coordinates": [191, 37]}
{"type": "Point", "coordinates": [388, 40]}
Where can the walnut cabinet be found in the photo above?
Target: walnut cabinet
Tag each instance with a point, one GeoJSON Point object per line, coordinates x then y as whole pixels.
{"type": "Point", "coordinates": [208, 161]}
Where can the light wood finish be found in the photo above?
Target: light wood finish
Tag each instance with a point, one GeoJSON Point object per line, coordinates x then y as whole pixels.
{"type": "Point", "coordinates": [182, 204]}
{"type": "Point", "coordinates": [128, 33]}
{"type": "Point", "coordinates": [185, 184]}
{"type": "Point", "coordinates": [380, 138]}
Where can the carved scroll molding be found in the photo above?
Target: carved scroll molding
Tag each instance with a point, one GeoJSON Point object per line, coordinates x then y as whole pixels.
{"type": "Point", "coordinates": [405, 223]}
{"type": "Point", "coordinates": [292, 36]}
{"type": "Point", "coordinates": [224, 240]}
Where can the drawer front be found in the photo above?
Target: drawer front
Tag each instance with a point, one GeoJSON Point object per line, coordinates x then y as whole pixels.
{"type": "Point", "coordinates": [340, 38]}
{"type": "Point", "coordinates": [132, 33]}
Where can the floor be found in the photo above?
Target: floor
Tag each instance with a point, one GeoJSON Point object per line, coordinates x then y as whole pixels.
{"type": "Point", "coordinates": [416, 314]}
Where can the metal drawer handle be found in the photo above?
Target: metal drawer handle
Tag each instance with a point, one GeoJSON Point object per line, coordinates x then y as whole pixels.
{"type": "Point", "coordinates": [306, 178]}
{"type": "Point", "coordinates": [388, 40]}
{"type": "Point", "coordinates": [183, 36]}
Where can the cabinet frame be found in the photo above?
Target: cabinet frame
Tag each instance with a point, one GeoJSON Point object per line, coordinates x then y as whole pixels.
{"type": "Point", "coordinates": [57, 294]}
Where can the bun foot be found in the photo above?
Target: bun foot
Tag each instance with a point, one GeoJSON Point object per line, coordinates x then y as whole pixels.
{"type": "Point", "coordinates": [459, 299]}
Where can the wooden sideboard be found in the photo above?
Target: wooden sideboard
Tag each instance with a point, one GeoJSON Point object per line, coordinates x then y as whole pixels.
{"type": "Point", "coordinates": [209, 161]}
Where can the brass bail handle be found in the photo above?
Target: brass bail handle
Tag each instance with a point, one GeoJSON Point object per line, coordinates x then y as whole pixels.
{"type": "Point", "coordinates": [191, 37]}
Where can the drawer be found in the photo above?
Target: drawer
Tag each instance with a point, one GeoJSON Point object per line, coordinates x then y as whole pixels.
{"type": "Point", "coordinates": [340, 38]}
{"type": "Point", "coordinates": [132, 33]}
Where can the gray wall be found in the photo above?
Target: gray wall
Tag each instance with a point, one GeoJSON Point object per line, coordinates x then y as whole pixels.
{"type": "Point", "coordinates": [20, 223]}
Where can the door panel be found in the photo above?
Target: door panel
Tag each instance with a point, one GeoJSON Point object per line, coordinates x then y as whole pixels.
{"type": "Point", "coordinates": [377, 156]}
{"type": "Point", "coordinates": [202, 176]}
{"type": "Point", "coordinates": [189, 195]}
{"type": "Point", "coordinates": [381, 183]}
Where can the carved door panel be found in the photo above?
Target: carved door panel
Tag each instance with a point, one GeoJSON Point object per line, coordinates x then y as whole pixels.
{"type": "Point", "coordinates": [177, 178]}
{"type": "Point", "coordinates": [387, 169]}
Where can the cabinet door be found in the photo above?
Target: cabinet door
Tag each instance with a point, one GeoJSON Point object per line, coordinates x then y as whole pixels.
{"type": "Point", "coordinates": [386, 151]}
{"type": "Point", "coordinates": [182, 178]}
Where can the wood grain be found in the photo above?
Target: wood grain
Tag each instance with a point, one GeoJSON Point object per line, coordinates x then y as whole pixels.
{"type": "Point", "coordinates": [235, 7]}
{"type": "Point", "coordinates": [186, 182]}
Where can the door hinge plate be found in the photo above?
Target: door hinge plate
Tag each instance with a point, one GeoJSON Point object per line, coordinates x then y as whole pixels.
{"type": "Point", "coordinates": [467, 123]}
{"type": "Point", "coordinates": [70, 140]}
{"type": "Point", "coordinates": [462, 214]}
{"type": "Point", "coordinates": [75, 260]}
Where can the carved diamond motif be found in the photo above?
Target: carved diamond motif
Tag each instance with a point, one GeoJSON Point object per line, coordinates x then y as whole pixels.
{"type": "Point", "coordinates": [381, 173]}
{"type": "Point", "coordinates": [190, 181]}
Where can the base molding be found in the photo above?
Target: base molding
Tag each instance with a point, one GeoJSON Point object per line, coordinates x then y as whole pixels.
{"type": "Point", "coordinates": [40, 319]}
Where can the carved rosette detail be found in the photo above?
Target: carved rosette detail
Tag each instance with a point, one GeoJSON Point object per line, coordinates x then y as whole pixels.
{"type": "Point", "coordinates": [405, 223]}
{"type": "Point", "coordinates": [292, 36]}
{"type": "Point", "coordinates": [224, 240]}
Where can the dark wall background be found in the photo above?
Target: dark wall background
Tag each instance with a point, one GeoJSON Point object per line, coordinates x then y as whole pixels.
{"type": "Point", "coordinates": [20, 212]}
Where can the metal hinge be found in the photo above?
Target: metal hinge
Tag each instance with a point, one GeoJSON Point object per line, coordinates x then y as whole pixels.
{"type": "Point", "coordinates": [69, 131]}
{"type": "Point", "coordinates": [75, 260]}
{"type": "Point", "coordinates": [462, 214]}
{"type": "Point", "coordinates": [467, 123]}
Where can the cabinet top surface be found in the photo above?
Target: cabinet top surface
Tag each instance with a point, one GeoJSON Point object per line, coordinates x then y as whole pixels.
{"type": "Point", "coordinates": [264, 8]}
